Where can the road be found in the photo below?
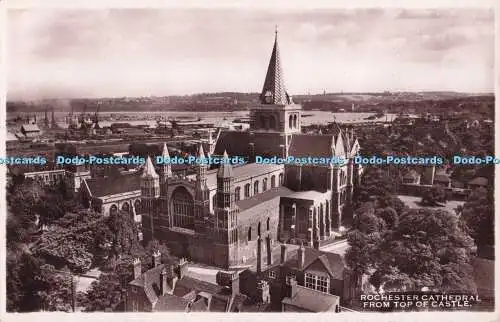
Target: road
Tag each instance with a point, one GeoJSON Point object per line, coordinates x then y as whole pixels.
{"type": "Point", "coordinates": [336, 248]}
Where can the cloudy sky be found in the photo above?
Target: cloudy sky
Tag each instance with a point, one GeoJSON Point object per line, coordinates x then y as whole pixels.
{"type": "Point", "coordinates": [142, 52]}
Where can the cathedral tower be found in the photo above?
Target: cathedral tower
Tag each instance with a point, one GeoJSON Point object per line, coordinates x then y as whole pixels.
{"type": "Point", "coordinates": [202, 199]}
{"type": "Point", "coordinates": [226, 217]}
{"type": "Point", "coordinates": [276, 118]}
{"type": "Point", "coordinates": [150, 191]}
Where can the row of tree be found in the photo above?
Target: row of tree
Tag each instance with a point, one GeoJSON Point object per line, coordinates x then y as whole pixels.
{"type": "Point", "coordinates": [402, 249]}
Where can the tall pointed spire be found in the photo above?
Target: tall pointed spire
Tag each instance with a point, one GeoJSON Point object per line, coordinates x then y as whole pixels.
{"type": "Point", "coordinates": [274, 91]}
{"type": "Point", "coordinates": [166, 169]}
{"type": "Point", "coordinates": [149, 170]}
{"type": "Point", "coordinates": [201, 154]}
{"type": "Point", "coordinates": [225, 169]}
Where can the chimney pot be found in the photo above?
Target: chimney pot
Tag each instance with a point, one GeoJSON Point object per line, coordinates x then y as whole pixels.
{"type": "Point", "coordinates": [283, 254]}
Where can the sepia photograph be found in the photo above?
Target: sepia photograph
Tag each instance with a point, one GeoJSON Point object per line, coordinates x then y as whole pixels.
{"type": "Point", "coordinates": [249, 160]}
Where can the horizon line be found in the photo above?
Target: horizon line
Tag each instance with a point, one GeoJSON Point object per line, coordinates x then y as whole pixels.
{"type": "Point", "coordinates": [256, 93]}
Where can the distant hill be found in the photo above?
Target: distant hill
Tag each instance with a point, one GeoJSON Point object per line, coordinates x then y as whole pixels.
{"type": "Point", "coordinates": [233, 101]}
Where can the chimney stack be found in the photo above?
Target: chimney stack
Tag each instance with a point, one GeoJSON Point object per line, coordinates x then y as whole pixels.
{"type": "Point", "coordinates": [182, 267]}
{"type": "Point", "coordinates": [293, 287]}
{"type": "Point", "coordinates": [137, 268]}
{"type": "Point", "coordinates": [300, 256]}
{"type": "Point", "coordinates": [230, 280]}
{"type": "Point", "coordinates": [156, 258]}
{"type": "Point", "coordinates": [163, 281]}
{"type": "Point", "coordinates": [283, 254]}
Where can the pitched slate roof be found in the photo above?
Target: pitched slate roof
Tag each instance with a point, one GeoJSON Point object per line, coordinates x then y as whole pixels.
{"type": "Point", "coordinates": [234, 142]}
{"type": "Point", "coordinates": [313, 145]}
{"type": "Point", "coordinates": [270, 194]}
{"type": "Point", "coordinates": [30, 128]}
{"type": "Point", "coordinates": [312, 300]}
{"type": "Point", "coordinates": [334, 263]}
{"type": "Point", "coordinates": [100, 187]}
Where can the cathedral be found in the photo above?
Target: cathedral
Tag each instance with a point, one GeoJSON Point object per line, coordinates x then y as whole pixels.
{"type": "Point", "coordinates": [222, 216]}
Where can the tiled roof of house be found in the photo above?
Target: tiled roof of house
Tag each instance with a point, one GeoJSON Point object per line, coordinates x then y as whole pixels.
{"type": "Point", "coordinates": [311, 145]}
{"type": "Point", "coordinates": [30, 128]}
{"type": "Point", "coordinates": [100, 187]}
{"type": "Point", "coordinates": [333, 262]}
{"type": "Point", "coordinates": [270, 194]}
{"type": "Point", "coordinates": [479, 181]}
{"type": "Point", "coordinates": [171, 303]}
{"type": "Point", "coordinates": [312, 300]}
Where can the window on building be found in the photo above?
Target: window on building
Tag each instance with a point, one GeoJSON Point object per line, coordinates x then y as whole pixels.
{"type": "Point", "coordinates": [318, 283]}
{"type": "Point", "coordinates": [214, 201]}
{"type": "Point", "coordinates": [289, 278]}
{"type": "Point", "coordinates": [247, 190]}
{"type": "Point", "coordinates": [264, 184]}
{"type": "Point", "coordinates": [249, 233]}
{"type": "Point", "coordinates": [272, 274]}
{"type": "Point", "coordinates": [268, 224]}
{"type": "Point", "coordinates": [273, 181]}
{"type": "Point", "coordinates": [256, 188]}
{"type": "Point", "coordinates": [237, 193]}
{"type": "Point", "coordinates": [281, 179]}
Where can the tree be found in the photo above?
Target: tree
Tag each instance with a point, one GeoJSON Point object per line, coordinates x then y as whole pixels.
{"type": "Point", "coordinates": [434, 196]}
{"type": "Point", "coordinates": [479, 217]}
{"type": "Point", "coordinates": [104, 294]}
{"type": "Point", "coordinates": [431, 248]}
{"type": "Point", "coordinates": [73, 240]}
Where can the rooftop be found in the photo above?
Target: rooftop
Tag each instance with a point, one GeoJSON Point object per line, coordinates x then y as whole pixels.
{"type": "Point", "coordinates": [312, 300]}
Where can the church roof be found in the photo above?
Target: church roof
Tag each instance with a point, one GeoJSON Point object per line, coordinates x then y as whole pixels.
{"type": "Point", "coordinates": [234, 142]}
{"type": "Point", "coordinates": [273, 91]}
{"type": "Point", "coordinates": [263, 197]}
{"type": "Point", "coordinates": [311, 145]}
{"type": "Point", "coordinates": [107, 186]}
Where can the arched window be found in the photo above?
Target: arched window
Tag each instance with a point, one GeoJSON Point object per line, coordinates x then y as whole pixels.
{"type": "Point", "coordinates": [290, 121]}
{"type": "Point", "coordinates": [258, 229]}
{"type": "Point", "coordinates": [256, 187]}
{"type": "Point", "coordinates": [281, 179]}
{"type": "Point", "coordinates": [262, 122]}
{"type": "Point", "coordinates": [272, 122]}
{"type": "Point", "coordinates": [137, 206]}
{"type": "Point", "coordinates": [113, 209]}
{"type": "Point", "coordinates": [183, 208]}
{"type": "Point", "coordinates": [268, 224]}
{"type": "Point", "coordinates": [264, 184]}
{"type": "Point", "coordinates": [247, 190]}
{"type": "Point", "coordinates": [237, 193]}
{"type": "Point", "coordinates": [126, 207]}
{"type": "Point", "coordinates": [295, 121]}
{"type": "Point", "coordinates": [273, 181]}
{"type": "Point", "coordinates": [249, 233]}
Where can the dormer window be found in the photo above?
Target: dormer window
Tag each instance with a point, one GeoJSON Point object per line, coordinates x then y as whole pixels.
{"type": "Point", "coordinates": [268, 97]}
